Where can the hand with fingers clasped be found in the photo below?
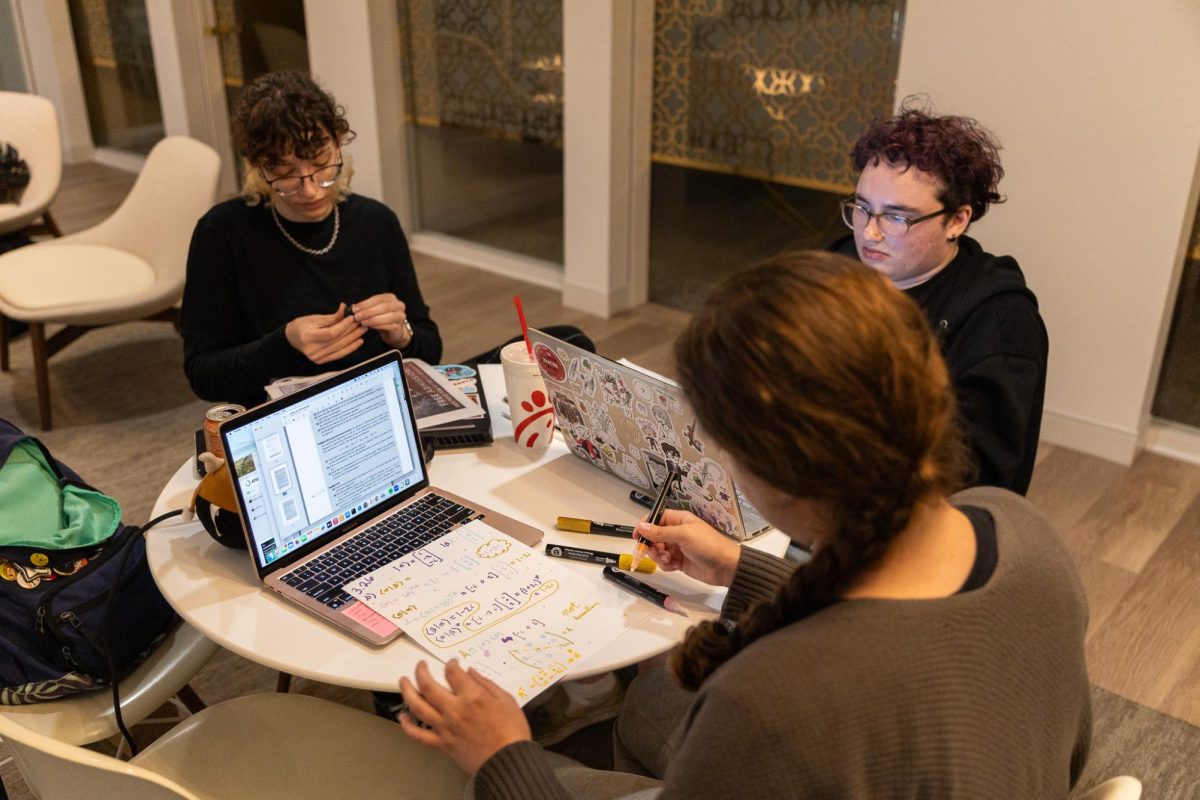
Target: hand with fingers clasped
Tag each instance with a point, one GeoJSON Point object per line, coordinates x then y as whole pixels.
{"type": "Point", "coordinates": [685, 542]}
{"type": "Point", "coordinates": [470, 721]}
{"type": "Point", "coordinates": [326, 337]}
{"type": "Point", "coordinates": [384, 313]}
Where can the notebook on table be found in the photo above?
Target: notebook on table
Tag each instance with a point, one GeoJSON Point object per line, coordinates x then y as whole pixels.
{"type": "Point", "coordinates": [632, 423]}
{"type": "Point", "coordinates": [331, 484]}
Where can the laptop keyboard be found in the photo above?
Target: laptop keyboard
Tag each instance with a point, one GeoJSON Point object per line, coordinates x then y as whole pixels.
{"type": "Point", "coordinates": [394, 536]}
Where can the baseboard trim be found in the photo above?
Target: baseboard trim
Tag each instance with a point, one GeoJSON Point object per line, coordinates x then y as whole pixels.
{"type": "Point", "coordinates": [119, 159]}
{"type": "Point", "coordinates": [491, 259]}
{"type": "Point", "coordinates": [1088, 436]}
{"type": "Point", "coordinates": [1180, 442]}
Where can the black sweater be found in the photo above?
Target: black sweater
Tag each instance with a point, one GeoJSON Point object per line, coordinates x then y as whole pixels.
{"type": "Point", "coordinates": [995, 344]}
{"type": "Point", "coordinates": [245, 282]}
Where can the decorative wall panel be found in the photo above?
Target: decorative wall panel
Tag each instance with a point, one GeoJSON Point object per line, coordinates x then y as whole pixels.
{"type": "Point", "coordinates": [487, 65]}
{"type": "Point", "coordinates": [776, 89]}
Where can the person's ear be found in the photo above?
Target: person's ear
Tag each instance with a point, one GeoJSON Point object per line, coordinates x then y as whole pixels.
{"type": "Point", "coordinates": [958, 223]}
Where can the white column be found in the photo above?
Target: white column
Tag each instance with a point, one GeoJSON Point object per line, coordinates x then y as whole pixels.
{"type": "Point", "coordinates": [607, 64]}
{"type": "Point", "coordinates": [54, 70]}
{"type": "Point", "coordinates": [354, 53]}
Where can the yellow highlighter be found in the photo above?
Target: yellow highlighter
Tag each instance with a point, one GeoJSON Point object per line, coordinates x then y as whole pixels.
{"type": "Point", "coordinates": [655, 516]}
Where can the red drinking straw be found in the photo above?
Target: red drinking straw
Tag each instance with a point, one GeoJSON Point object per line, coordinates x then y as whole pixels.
{"type": "Point", "coordinates": [524, 326]}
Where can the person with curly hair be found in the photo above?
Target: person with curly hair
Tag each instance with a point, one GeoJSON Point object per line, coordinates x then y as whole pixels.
{"type": "Point", "coordinates": [924, 179]}
{"type": "Point", "coordinates": [934, 644]}
{"type": "Point", "coordinates": [300, 275]}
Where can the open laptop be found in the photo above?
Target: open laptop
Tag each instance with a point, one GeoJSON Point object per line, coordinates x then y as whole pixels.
{"type": "Point", "coordinates": [633, 423]}
{"type": "Point", "coordinates": [332, 484]}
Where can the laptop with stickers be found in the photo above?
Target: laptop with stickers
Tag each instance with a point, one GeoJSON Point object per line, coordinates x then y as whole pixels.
{"type": "Point", "coordinates": [632, 423]}
{"type": "Point", "coordinates": [331, 484]}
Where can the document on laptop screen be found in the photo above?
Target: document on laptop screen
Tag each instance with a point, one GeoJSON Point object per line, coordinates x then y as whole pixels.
{"type": "Point", "coordinates": [481, 597]}
{"type": "Point", "coordinates": [307, 467]}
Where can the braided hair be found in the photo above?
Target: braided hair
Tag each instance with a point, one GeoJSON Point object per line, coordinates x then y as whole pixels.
{"type": "Point", "coordinates": [854, 407]}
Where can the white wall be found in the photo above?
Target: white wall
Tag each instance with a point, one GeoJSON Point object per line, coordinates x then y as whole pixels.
{"type": "Point", "coordinates": [1097, 106]}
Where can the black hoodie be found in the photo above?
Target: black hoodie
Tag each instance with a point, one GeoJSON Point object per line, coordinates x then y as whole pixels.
{"type": "Point", "coordinates": [995, 344]}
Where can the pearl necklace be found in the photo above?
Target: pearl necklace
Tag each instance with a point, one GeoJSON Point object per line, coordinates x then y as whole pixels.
{"type": "Point", "coordinates": [302, 248]}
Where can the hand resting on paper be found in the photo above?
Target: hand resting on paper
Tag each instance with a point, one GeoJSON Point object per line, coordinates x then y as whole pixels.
{"type": "Point", "coordinates": [325, 337]}
{"type": "Point", "coordinates": [470, 721]}
{"type": "Point", "coordinates": [685, 542]}
{"type": "Point", "coordinates": [384, 313]}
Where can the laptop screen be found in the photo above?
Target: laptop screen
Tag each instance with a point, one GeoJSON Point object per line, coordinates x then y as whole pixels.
{"type": "Point", "coordinates": [318, 459]}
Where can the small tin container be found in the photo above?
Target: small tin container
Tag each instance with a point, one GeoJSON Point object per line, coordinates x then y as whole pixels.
{"type": "Point", "coordinates": [212, 421]}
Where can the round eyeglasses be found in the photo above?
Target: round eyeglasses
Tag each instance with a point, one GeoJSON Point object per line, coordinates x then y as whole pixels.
{"type": "Point", "coordinates": [893, 225]}
{"type": "Point", "coordinates": [291, 184]}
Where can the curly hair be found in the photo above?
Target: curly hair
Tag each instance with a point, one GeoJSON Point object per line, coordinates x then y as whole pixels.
{"type": "Point", "coordinates": [961, 153]}
{"type": "Point", "coordinates": [856, 411]}
{"type": "Point", "coordinates": [281, 114]}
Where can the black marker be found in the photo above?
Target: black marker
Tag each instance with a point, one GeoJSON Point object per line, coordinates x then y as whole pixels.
{"type": "Point", "coordinates": [642, 590]}
{"type": "Point", "coordinates": [656, 512]}
{"type": "Point", "coordinates": [621, 560]}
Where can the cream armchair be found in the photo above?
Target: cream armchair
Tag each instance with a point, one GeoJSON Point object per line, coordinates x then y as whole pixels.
{"type": "Point", "coordinates": [29, 124]}
{"type": "Point", "coordinates": [129, 267]}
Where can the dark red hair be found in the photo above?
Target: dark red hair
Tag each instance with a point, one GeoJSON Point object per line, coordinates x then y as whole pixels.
{"type": "Point", "coordinates": [961, 153]}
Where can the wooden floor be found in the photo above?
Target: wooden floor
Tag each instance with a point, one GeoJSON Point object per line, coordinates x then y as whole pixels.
{"type": "Point", "coordinates": [1134, 531]}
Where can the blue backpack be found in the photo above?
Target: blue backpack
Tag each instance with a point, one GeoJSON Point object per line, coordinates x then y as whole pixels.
{"type": "Point", "coordinates": [79, 609]}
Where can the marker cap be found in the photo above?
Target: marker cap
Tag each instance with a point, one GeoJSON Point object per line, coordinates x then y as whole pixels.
{"type": "Point", "coordinates": [646, 565]}
{"type": "Point", "coordinates": [573, 524]}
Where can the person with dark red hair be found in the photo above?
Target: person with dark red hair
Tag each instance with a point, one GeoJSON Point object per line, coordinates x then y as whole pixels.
{"type": "Point", "coordinates": [923, 180]}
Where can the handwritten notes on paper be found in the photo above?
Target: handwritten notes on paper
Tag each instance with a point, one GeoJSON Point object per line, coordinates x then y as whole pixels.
{"type": "Point", "coordinates": [489, 601]}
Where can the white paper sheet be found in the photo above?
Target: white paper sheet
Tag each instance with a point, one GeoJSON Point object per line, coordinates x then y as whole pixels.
{"type": "Point", "coordinates": [480, 596]}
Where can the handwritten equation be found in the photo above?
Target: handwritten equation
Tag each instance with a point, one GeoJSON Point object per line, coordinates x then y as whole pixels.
{"type": "Point", "coordinates": [488, 600]}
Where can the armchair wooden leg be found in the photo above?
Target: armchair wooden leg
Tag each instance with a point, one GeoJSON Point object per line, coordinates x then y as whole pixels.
{"type": "Point", "coordinates": [41, 371]}
{"type": "Point", "coordinates": [187, 695]}
{"type": "Point", "coordinates": [51, 225]}
{"type": "Point", "coordinates": [3, 343]}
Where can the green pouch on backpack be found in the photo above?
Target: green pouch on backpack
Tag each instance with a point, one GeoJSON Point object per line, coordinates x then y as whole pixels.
{"type": "Point", "coordinates": [39, 512]}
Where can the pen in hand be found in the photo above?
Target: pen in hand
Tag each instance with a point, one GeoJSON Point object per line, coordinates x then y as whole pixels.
{"type": "Point", "coordinates": [655, 515]}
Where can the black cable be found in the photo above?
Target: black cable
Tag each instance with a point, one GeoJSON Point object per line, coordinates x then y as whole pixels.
{"type": "Point", "coordinates": [112, 593]}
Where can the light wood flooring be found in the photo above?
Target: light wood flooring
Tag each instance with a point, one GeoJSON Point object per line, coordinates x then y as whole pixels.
{"type": "Point", "coordinates": [1134, 531]}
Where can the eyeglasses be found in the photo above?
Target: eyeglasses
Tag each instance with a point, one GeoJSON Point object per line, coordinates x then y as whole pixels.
{"type": "Point", "coordinates": [893, 225]}
{"type": "Point", "coordinates": [291, 184]}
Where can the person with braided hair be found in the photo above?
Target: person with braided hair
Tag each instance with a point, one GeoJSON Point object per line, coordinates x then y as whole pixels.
{"type": "Point", "coordinates": [932, 646]}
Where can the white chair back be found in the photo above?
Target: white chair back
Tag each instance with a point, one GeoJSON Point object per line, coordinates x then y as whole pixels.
{"type": "Point", "coordinates": [53, 769]}
{"type": "Point", "coordinates": [30, 124]}
{"type": "Point", "coordinates": [176, 187]}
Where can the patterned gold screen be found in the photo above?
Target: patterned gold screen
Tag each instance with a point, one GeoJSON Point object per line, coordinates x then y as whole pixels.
{"type": "Point", "coordinates": [775, 89]}
{"type": "Point", "coordinates": [486, 65]}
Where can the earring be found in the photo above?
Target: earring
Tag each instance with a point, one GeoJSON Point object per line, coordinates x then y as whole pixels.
{"type": "Point", "coordinates": [952, 237]}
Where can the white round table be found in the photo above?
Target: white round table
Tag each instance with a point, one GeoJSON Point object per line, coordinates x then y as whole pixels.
{"type": "Point", "coordinates": [216, 590]}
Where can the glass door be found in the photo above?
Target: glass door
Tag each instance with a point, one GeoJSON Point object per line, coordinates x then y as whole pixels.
{"type": "Point", "coordinates": [1178, 396]}
{"type": "Point", "coordinates": [257, 37]}
{"type": "Point", "coordinates": [116, 64]}
{"type": "Point", "coordinates": [483, 84]}
{"type": "Point", "coordinates": [756, 107]}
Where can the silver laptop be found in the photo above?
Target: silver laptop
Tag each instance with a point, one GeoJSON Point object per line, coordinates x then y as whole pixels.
{"type": "Point", "coordinates": [332, 484]}
{"type": "Point", "coordinates": [633, 424]}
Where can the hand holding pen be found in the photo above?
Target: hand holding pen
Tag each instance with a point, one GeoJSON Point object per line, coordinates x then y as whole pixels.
{"type": "Point", "coordinates": [656, 512]}
{"type": "Point", "coordinates": [683, 541]}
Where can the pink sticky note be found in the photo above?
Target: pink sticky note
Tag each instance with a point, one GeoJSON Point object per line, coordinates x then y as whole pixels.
{"type": "Point", "coordinates": [362, 614]}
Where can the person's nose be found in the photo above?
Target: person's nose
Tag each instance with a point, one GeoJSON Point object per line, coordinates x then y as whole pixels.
{"type": "Point", "coordinates": [309, 188]}
{"type": "Point", "coordinates": [871, 231]}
